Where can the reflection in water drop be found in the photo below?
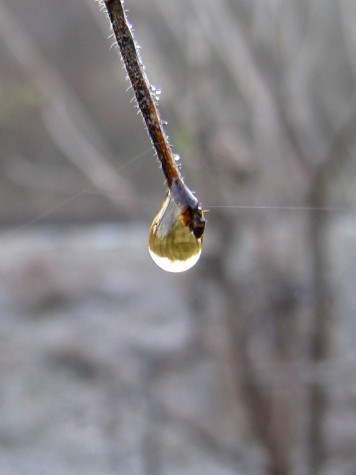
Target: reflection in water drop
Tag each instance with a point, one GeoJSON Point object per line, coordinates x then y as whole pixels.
{"type": "Point", "coordinates": [172, 245]}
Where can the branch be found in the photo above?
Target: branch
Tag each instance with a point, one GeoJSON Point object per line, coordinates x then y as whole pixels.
{"type": "Point", "coordinates": [321, 290]}
{"type": "Point", "coordinates": [64, 104]}
{"type": "Point", "coordinates": [336, 155]}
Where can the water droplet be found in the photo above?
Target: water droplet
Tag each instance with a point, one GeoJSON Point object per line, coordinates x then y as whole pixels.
{"type": "Point", "coordinates": [176, 157]}
{"type": "Point", "coordinates": [172, 245]}
{"type": "Point", "coordinates": [156, 92]}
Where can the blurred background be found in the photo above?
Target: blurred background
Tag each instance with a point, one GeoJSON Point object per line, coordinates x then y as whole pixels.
{"type": "Point", "coordinates": [246, 364]}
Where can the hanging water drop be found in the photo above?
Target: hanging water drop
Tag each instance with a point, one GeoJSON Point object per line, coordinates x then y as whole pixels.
{"type": "Point", "coordinates": [175, 239]}
{"type": "Point", "coordinates": [172, 244]}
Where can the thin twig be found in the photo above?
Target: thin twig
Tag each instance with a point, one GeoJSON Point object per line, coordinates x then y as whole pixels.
{"type": "Point", "coordinates": [143, 90]}
{"type": "Point", "coordinates": [193, 215]}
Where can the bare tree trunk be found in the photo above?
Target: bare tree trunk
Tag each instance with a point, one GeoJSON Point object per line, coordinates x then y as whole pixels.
{"type": "Point", "coordinates": [321, 289]}
{"type": "Point", "coordinates": [319, 343]}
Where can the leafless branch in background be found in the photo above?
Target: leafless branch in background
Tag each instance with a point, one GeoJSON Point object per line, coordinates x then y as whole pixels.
{"type": "Point", "coordinates": [324, 312]}
{"type": "Point", "coordinates": [65, 117]}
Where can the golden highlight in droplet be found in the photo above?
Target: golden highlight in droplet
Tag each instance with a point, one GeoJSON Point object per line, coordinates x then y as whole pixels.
{"type": "Point", "coordinates": [172, 244]}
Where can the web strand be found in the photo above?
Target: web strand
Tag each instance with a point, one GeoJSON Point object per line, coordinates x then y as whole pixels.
{"type": "Point", "coordinates": [327, 209]}
{"type": "Point", "coordinates": [66, 201]}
